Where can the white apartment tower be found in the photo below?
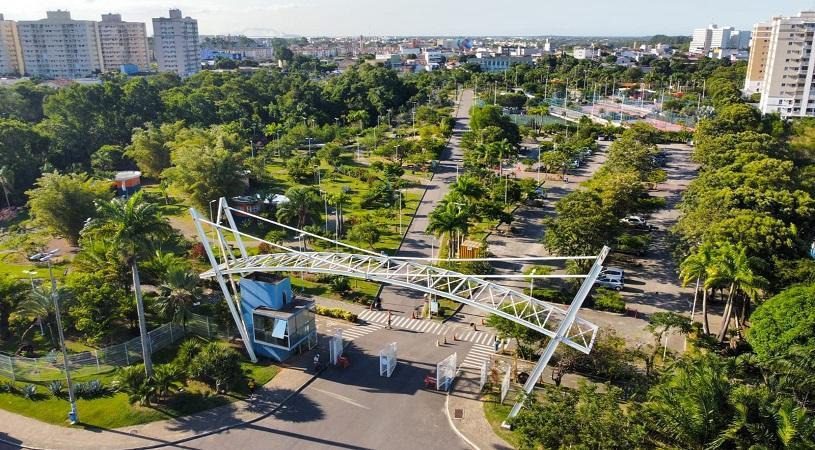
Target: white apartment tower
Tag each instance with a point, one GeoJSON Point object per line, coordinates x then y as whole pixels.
{"type": "Point", "coordinates": [789, 68]}
{"type": "Point", "coordinates": [700, 43]}
{"type": "Point", "coordinates": [58, 47]}
{"type": "Point", "coordinates": [122, 43]}
{"type": "Point", "coordinates": [711, 41]}
{"type": "Point", "coordinates": [175, 44]}
{"type": "Point", "coordinates": [11, 58]}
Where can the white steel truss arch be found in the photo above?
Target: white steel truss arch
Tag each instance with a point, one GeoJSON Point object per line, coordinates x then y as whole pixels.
{"type": "Point", "coordinates": [560, 325]}
{"type": "Point", "coordinates": [471, 290]}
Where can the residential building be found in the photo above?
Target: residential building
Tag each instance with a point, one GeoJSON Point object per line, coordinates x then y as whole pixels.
{"type": "Point", "coordinates": [175, 44]}
{"type": "Point", "coordinates": [59, 47]}
{"type": "Point", "coordinates": [11, 57]}
{"type": "Point", "coordinates": [122, 43]}
{"type": "Point", "coordinates": [789, 68]}
{"type": "Point", "coordinates": [759, 46]}
{"type": "Point", "coordinates": [586, 53]}
{"type": "Point", "coordinates": [500, 63]}
{"type": "Point", "coordinates": [718, 42]}
{"type": "Point", "coordinates": [700, 41]}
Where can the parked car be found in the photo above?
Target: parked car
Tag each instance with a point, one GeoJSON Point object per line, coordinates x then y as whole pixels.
{"type": "Point", "coordinates": [637, 222]}
{"type": "Point", "coordinates": [611, 283]}
{"type": "Point", "coordinates": [612, 272]}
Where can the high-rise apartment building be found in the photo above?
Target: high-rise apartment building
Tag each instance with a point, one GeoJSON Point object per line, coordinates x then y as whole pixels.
{"type": "Point", "coordinates": [789, 66]}
{"type": "Point", "coordinates": [718, 42]}
{"type": "Point", "coordinates": [175, 44]}
{"type": "Point", "coordinates": [122, 43]}
{"type": "Point", "coordinates": [59, 47]}
{"type": "Point", "coordinates": [759, 46]}
{"type": "Point", "coordinates": [11, 58]}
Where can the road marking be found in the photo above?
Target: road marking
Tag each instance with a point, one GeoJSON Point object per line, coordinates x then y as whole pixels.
{"type": "Point", "coordinates": [341, 398]}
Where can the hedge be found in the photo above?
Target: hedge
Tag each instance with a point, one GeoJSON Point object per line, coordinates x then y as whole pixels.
{"type": "Point", "coordinates": [336, 313]}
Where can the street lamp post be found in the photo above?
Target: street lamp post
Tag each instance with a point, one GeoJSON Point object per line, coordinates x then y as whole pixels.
{"type": "Point", "coordinates": [309, 145]}
{"type": "Point", "coordinates": [73, 417]}
{"type": "Point", "coordinates": [400, 212]}
{"type": "Point", "coordinates": [325, 204]}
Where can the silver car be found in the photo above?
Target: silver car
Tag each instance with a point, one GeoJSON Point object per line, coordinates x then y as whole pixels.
{"type": "Point", "coordinates": [610, 283]}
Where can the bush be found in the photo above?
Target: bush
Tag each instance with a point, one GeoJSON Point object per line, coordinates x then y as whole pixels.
{"type": "Point", "coordinates": [606, 300]}
{"type": "Point", "coordinates": [55, 387]}
{"type": "Point", "coordinates": [29, 391]}
{"type": "Point", "coordinates": [91, 389]}
{"type": "Point", "coordinates": [8, 386]}
{"type": "Point", "coordinates": [186, 352]}
{"type": "Point", "coordinates": [133, 381]}
{"type": "Point", "coordinates": [552, 296]}
{"type": "Point", "coordinates": [336, 313]}
{"type": "Point", "coordinates": [218, 366]}
{"type": "Point", "coordinates": [339, 284]}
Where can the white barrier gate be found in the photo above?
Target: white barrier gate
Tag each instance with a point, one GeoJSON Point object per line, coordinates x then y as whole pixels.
{"type": "Point", "coordinates": [485, 372]}
{"type": "Point", "coordinates": [446, 373]}
{"type": "Point", "coordinates": [505, 384]}
{"type": "Point", "coordinates": [387, 360]}
{"type": "Point", "coordinates": [335, 346]}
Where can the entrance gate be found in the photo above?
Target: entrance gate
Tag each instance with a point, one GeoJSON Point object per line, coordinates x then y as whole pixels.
{"type": "Point", "coordinates": [387, 360]}
{"type": "Point", "coordinates": [446, 373]}
{"type": "Point", "coordinates": [335, 347]}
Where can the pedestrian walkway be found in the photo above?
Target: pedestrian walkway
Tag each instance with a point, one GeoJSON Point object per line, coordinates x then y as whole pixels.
{"type": "Point", "coordinates": [476, 356]}
{"type": "Point", "coordinates": [426, 326]}
{"type": "Point", "coordinates": [358, 331]}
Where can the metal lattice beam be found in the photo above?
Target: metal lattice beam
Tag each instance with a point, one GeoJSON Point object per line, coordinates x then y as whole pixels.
{"type": "Point", "coordinates": [471, 290]}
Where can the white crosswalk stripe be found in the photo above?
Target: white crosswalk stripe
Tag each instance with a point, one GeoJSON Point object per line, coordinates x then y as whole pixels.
{"type": "Point", "coordinates": [476, 357]}
{"type": "Point", "coordinates": [426, 326]}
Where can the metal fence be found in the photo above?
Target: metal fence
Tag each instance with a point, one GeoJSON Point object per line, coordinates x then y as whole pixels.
{"type": "Point", "coordinates": [50, 367]}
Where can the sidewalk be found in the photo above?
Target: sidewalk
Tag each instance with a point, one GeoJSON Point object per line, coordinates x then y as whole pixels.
{"type": "Point", "coordinates": [465, 398]}
{"type": "Point", "coordinates": [20, 431]}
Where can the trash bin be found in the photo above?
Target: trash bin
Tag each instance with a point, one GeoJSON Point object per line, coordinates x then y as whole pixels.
{"type": "Point", "coordinates": [522, 377]}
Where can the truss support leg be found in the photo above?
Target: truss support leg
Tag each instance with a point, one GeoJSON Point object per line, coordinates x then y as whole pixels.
{"type": "Point", "coordinates": [220, 277]}
{"type": "Point", "coordinates": [562, 332]}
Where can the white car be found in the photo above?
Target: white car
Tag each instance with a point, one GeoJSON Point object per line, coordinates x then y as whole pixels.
{"type": "Point", "coordinates": [637, 222]}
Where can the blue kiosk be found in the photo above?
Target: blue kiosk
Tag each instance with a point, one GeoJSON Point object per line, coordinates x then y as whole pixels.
{"type": "Point", "coordinates": [278, 323]}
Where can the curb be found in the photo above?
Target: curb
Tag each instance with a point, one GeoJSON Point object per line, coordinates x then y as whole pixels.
{"type": "Point", "coordinates": [197, 436]}
{"type": "Point", "coordinates": [421, 199]}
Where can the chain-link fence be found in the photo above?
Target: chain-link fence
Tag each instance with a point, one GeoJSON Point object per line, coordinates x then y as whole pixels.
{"type": "Point", "coordinates": [50, 367]}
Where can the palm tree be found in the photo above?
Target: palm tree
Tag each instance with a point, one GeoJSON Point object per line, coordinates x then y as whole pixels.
{"type": "Point", "coordinates": [12, 292]}
{"type": "Point", "coordinates": [469, 188]}
{"type": "Point", "coordinates": [448, 219]}
{"type": "Point", "coordinates": [732, 267]}
{"type": "Point", "coordinates": [303, 206]}
{"type": "Point", "coordinates": [339, 200]}
{"type": "Point", "coordinates": [690, 407]}
{"type": "Point", "coordinates": [177, 291]}
{"type": "Point", "coordinates": [165, 378]}
{"type": "Point", "coordinates": [133, 225]}
{"type": "Point", "coordinates": [696, 266]}
{"type": "Point", "coordinates": [38, 306]}
{"type": "Point", "coordinates": [6, 182]}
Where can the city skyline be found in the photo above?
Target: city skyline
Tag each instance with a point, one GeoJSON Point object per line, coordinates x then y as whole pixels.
{"type": "Point", "coordinates": [424, 17]}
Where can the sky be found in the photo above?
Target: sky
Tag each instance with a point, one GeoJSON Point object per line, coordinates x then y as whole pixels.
{"type": "Point", "coordinates": [429, 17]}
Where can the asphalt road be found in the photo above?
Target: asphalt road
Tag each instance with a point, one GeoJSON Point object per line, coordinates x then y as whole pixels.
{"type": "Point", "coordinates": [417, 243]}
{"type": "Point", "coordinates": [355, 408]}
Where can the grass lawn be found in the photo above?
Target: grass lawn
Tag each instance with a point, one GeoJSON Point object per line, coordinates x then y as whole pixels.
{"type": "Point", "coordinates": [496, 413]}
{"type": "Point", "coordinates": [115, 411]}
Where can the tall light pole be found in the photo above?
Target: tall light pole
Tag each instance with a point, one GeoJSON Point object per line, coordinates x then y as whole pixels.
{"type": "Point", "coordinates": [400, 212]}
{"type": "Point", "coordinates": [539, 164]}
{"type": "Point", "coordinates": [46, 258]}
{"type": "Point", "coordinates": [211, 219]}
{"type": "Point", "coordinates": [309, 145]}
{"type": "Point", "coordinates": [325, 204]}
